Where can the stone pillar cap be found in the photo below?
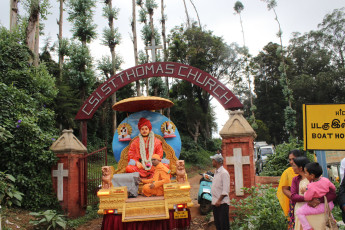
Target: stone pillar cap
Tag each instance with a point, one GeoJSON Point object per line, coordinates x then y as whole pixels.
{"type": "Point", "coordinates": [237, 126]}
{"type": "Point", "coordinates": [68, 143]}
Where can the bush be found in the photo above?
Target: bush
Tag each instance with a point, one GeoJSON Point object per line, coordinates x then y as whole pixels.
{"type": "Point", "coordinates": [277, 163]}
{"type": "Point", "coordinates": [260, 210]}
{"type": "Point", "coordinates": [26, 92]}
{"type": "Point", "coordinates": [197, 156]}
{"type": "Point", "coordinates": [8, 192]}
{"type": "Point", "coordinates": [49, 219]}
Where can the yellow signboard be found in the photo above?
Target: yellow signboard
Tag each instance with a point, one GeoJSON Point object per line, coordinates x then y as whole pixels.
{"type": "Point", "coordinates": [180, 214]}
{"type": "Point", "coordinates": [324, 127]}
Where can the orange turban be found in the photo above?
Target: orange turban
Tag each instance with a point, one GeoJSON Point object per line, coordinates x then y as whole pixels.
{"type": "Point", "coordinates": [156, 156]}
{"type": "Point", "coordinates": [143, 121]}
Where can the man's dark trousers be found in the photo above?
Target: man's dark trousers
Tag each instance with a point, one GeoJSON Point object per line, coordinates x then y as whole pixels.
{"type": "Point", "coordinates": [221, 217]}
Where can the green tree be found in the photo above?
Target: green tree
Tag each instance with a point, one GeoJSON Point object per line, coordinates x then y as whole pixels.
{"type": "Point", "coordinates": [289, 112]}
{"type": "Point", "coordinates": [333, 35]}
{"type": "Point", "coordinates": [111, 38]}
{"type": "Point", "coordinates": [81, 15]}
{"type": "Point", "coordinates": [148, 32]}
{"type": "Point", "coordinates": [65, 103]}
{"type": "Point", "coordinates": [238, 7]}
{"type": "Point", "coordinates": [26, 95]}
{"type": "Point", "coordinates": [203, 50]}
{"type": "Point", "coordinates": [269, 99]}
{"type": "Point", "coordinates": [80, 70]}
{"type": "Point", "coordinates": [316, 78]}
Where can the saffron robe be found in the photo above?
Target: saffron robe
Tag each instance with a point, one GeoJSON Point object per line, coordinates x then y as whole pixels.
{"type": "Point", "coordinates": [161, 176]}
{"type": "Point", "coordinates": [134, 153]}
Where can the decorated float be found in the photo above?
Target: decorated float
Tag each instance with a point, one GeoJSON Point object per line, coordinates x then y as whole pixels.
{"type": "Point", "coordinates": [122, 201]}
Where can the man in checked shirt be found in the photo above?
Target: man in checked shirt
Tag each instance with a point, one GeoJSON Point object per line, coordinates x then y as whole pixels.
{"type": "Point", "coordinates": [220, 193]}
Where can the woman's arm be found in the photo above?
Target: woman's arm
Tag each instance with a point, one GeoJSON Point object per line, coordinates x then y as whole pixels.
{"type": "Point", "coordinates": [295, 197]}
{"type": "Point", "coordinates": [331, 195]}
{"type": "Point", "coordinates": [286, 191]}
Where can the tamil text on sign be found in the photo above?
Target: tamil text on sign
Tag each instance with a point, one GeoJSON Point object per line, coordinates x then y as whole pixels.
{"type": "Point", "coordinates": [324, 127]}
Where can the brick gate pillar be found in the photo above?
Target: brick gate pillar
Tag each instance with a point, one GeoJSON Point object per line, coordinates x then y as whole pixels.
{"type": "Point", "coordinates": [66, 175]}
{"type": "Point", "coordinates": [237, 149]}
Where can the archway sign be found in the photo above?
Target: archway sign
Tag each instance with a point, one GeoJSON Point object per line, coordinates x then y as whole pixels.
{"type": "Point", "coordinates": [158, 69]}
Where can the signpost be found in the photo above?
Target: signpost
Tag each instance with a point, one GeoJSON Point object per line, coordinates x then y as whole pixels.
{"type": "Point", "coordinates": [324, 129]}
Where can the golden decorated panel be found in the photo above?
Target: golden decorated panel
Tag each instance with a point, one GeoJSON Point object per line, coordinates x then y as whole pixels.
{"type": "Point", "coordinates": [112, 198]}
{"type": "Point", "coordinates": [175, 193]}
{"type": "Point", "coordinates": [146, 210]}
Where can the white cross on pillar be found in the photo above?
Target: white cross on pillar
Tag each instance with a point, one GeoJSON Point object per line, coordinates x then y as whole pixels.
{"type": "Point", "coordinates": [60, 173]}
{"type": "Point", "coordinates": [153, 49]}
{"type": "Point", "coordinates": [238, 161]}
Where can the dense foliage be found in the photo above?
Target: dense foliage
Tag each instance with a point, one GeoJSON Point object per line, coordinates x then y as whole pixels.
{"type": "Point", "coordinates": [315, 68]}
{"type": "Point", "coordinates": [48, 219]}
{"type": "Point", "coordinates": [198, 154]}
{"type": "Point", "coordinates": [208, 52]}
{"type": "Point", "coordinates": [277, 163]}
{"type": "Point", "coordinates": [9, 195]}
{"type": "Point", "coordinates": [39, 101]}
{"type": "Point", "coordinates": [259, 210]}
{"type": "Point", "coordinates": [26, 93]}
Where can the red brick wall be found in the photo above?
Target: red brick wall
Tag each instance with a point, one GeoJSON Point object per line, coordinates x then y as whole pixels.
{"type": "Point", "coordinates": [247, 146]}
{"type": "Point", "coordinates": [72, 186]}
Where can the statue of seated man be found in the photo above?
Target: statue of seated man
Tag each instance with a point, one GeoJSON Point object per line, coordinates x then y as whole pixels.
{"type": "Point", "coordinates": [154, 186]}
{"type": "Point", "coordinates": [142, 149]}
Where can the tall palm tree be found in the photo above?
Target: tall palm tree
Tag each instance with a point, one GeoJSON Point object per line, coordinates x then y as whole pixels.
{"type": "Point", "coordinates": [290, 113]}
{"type": "Point", "coordinates": [238, 9]}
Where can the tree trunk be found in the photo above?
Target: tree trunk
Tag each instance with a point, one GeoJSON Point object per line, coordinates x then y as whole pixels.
{"type": "Point", "coordinates": [185, 8]}
{"type": "Point", "coordinates": [60, 23]}
{"type": "Point", "coordinates": [197, 14]}
{"type": "Point", "coordinates": [152, 37]}
{"type": "Point", "coordinates": [135, 43]}
{"type": "Point", "coordinates": [14, 14]}
{"type": "Point", "coordinates": [113, 68]}
{"type": "Point", "coordinates": [196, 133]}
{"type": "Point", "coordinates": [247, 72]}
{"type": "Point", "coordinates": [37, 43]}
{"type": "Point", "coordinates": [165, 55]}
{"type": "Point", "coordinates": [113, 98]}
{"type": "Point", "coordinates": [204, 102]}
{"type": "Point", "coordinates": [32, 26]}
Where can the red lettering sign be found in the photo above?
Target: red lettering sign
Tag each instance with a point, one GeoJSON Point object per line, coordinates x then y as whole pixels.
{"type": "Point", "coordinates": [159, 69]}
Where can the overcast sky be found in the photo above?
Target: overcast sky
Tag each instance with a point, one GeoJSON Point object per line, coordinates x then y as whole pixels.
{"type": "Point", "coordinates": [216, 15]}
